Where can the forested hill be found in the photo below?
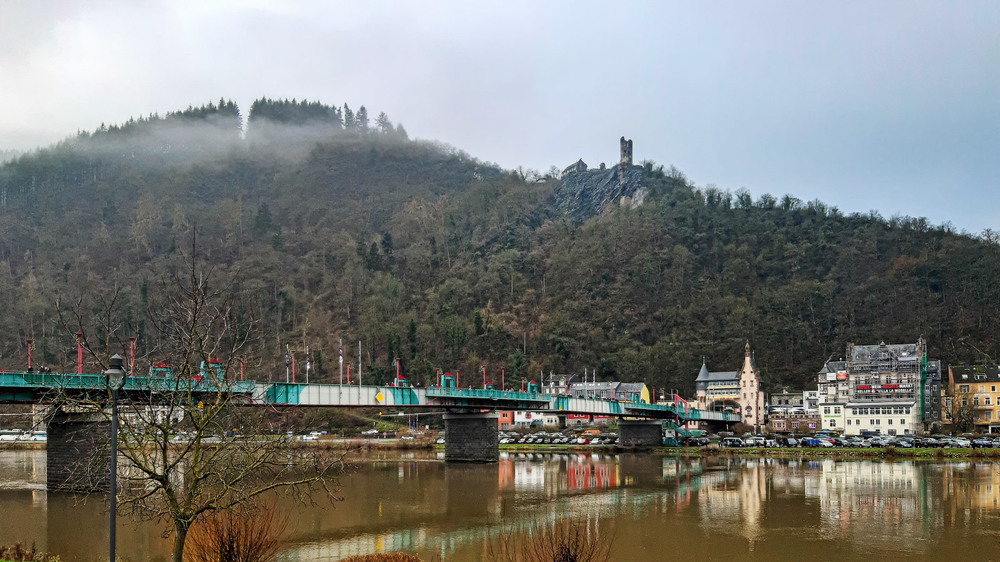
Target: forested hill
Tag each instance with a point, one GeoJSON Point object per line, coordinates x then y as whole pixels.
{"type": "Point", "coordinates": [342, 227]}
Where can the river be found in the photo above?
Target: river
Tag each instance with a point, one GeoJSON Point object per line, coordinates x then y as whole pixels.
{"type": "Point", "coordinates": [649, 507]}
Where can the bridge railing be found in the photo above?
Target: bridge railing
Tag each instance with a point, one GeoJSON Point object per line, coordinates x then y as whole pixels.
{"type": "Point", "coordinates": [87, 381]}
{"type": "Point", "coordinates": [689, 414]}
{"type": "Point", "coordinates": [438, 392]}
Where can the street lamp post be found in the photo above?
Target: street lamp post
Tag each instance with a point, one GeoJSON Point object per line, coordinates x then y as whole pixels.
{"type": "Point", "coordinates": [114, 377]}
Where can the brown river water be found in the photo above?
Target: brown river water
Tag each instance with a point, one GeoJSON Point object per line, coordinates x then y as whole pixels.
{"type": "Point", "coordinates": [650, 507]}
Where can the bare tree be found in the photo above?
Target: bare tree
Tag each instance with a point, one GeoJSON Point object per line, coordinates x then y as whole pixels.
{"type": "Point", "coordinates": [194, 440]}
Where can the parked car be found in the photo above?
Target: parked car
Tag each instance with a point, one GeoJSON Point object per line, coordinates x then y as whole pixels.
{"type": "Point", "coordinates": [788, 442]}
{"type": "Point", "coordinates": [982, 442]}
{"type": "Point", "coordinates": [927, 442]}
{"type": "Point", "coordinates": [732, 442]}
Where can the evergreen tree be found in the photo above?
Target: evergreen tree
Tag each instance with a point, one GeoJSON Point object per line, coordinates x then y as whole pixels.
{"type": "Point", "coordinates": [384, 125]}
{"type": "Point", "coordinates": [362, 120]}
{"type": "Point", "coordinates": [349, 123]}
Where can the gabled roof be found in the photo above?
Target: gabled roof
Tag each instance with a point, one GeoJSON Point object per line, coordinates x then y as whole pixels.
{"type": "Point", "coordinates": [706, 376]}
{"type": "Point", "coordinates": [631, 387]}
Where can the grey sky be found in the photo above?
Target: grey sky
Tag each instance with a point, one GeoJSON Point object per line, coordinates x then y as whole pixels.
{"type": "Point", "coordinates": [893, 106]}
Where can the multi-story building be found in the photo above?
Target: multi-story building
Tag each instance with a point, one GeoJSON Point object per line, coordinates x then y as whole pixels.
{"type": "Point", "coordinates": [785, 399]}
{"type": "Point", "coordinates": [884, 388]}
{"type": "Point", "coordinates": [558, 385]}
{"type": "Point", "coordinates": [932, 394]}
{"type": "Point", "coordinates": [741, 388]}
{"type": "Point", "coordinates": [832, 394]}
{"type": "Point", "coordinates": [974, 401]}
{"type": "Point", "coordinates": [620, 391]}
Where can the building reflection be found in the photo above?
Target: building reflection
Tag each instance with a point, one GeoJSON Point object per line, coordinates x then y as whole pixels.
{"type": "Point", "coordinates": [448, 511]}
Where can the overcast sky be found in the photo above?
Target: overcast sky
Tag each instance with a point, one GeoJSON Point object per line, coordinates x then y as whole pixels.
{"type": "Point", "coordinates": [893, 106]}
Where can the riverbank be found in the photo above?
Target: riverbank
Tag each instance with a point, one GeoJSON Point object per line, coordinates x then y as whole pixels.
{"type": "Point", "coordinates": [991, 455]}
{"type": "Point", "coordinates": [359, 444]}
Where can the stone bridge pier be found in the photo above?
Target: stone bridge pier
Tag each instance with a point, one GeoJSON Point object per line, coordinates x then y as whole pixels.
{"type": "Point", "coordinates": [471, 437]}
{"type": "Point", "coordinates": [77, 452]}
{"type": "Point", "coordinates": [640, 433]}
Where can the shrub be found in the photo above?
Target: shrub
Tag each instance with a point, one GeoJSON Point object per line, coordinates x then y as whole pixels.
{"type": "Point", "coordinates": [561, 542]}
{"type": "Point", "coordinates": [19, 553]}
{"type": "Point", "coordinates": [236, 536]}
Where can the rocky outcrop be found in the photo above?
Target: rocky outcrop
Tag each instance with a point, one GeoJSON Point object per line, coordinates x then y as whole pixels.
{"type": "Point", "coordinates": [584, 194]}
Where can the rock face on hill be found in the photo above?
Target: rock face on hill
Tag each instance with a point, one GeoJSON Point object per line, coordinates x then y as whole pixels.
{"type": "Point", "coordinates": [587, 192]}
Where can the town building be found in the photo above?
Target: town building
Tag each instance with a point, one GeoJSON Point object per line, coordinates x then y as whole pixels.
{"type": "Point", "coordinates": [740, 390]}
{"type": "Point", "coordinates": [884, 388]}
{"type": "Point", "coordinates": [795, 423]}
{"type": "Point", "coordinates": [974, 400]}
{"type": "Point", "coordinates": [785, 400]}
{"type": "Point", "coordinates": [810, 399]}
{"type": "Point", "coordinates": [558, 385]}
{"type": "Point", "coordinates": [620, 391]}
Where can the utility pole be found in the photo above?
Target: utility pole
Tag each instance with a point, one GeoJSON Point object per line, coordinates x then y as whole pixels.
{"type": "Point", "coordinates": [341, 359]}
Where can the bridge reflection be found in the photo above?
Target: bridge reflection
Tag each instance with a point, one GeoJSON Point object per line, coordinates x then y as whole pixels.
{"type": "Point", "coordinates": [414, 502]}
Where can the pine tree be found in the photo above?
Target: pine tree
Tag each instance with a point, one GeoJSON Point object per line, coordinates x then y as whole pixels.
{"type": "Point", "coordinates": [349, 122]}
{"type": "Point", "coordinates": [384, 125]}
{"type": "Point", "coordinates": [362, 120]}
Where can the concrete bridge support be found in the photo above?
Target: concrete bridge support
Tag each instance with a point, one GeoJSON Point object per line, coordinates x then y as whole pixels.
{"type": "Point", "coordinates": [640, 433]}
{"type": "Point", "coordinates": [77, 452]}
{"type": "Point", "coordinates": [471, 437]}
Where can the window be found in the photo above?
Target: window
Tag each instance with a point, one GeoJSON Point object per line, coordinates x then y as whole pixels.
{"type": "Point", "coordinates": [832, 423]}
{"type": "Point", "coordinates": [965, 401]}
{"type": "Point", "coordinates": [836, 410]}
{"type": "Point", "coordinates": [982, 388]}
{"type": "Point", "coordinates": [987, 400]}
{"type": "Point", "coordinates": [903, 422]}
{"type": "Point", "coordinates": [963, 388]}
{"type": "Point", "coordinates": [826, 410]}
{"type": "Point", "coordinates": [993, 388]}
{"type": "Point", "coordinates": [848, 422]}
{"type": "Point", "coordinates": [975, 401]}
{"type": "Point", "coordinates": [890, 421]}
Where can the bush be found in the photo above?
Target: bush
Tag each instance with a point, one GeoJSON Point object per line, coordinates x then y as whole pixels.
{"type": "Point", "coordinates": [18, 553]}
{"type": "Point", "coordinates": [231, 536]}
{"type": "Point", "coordinates": [561, 542]}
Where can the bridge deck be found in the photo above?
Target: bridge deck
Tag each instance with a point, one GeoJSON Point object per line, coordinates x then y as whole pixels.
{"type": "Point", "coordinates": [36, 387]}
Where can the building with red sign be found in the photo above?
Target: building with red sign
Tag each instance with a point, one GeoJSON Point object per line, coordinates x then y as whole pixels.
{"type": "Point", "coordinates": [876, 389]}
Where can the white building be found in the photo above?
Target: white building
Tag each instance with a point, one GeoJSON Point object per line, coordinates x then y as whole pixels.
{"type": "Point", "coordinates": [887, 418]}
{"type": "Point", "coordinates": [877, 389]}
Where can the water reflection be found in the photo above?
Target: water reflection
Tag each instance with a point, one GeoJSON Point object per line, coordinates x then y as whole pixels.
{"type": "Point", "coordinates": [707, 508]}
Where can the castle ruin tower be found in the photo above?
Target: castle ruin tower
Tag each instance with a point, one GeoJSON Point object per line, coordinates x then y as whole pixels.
{"type": "Point", "coordinates": [626, 159]}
